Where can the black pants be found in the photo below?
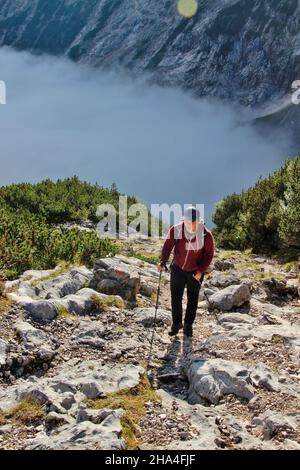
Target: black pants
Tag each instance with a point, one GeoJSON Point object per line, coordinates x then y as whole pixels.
{"type": "Point", "coordinates": [179, 280]}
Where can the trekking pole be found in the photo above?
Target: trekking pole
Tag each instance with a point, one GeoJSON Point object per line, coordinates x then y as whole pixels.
{"type": "Point", "coordinates": [149, 373]}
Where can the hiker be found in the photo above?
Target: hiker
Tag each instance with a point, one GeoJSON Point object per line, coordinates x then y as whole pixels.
{"type": "Point", "coordinates": [193, 247]}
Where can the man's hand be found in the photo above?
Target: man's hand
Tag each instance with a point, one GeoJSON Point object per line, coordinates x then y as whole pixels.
{"type": "Point", "coordinates": [160, 268]}
{"type": "Point", "coordinates": [197, 276]}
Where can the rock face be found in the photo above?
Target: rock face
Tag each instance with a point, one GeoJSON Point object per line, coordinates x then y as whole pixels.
{"type": "Point", "coordinates": [90, 335]}
{"type": "Point", "coordinates": [146, 316]}
{"type": "Point", "coordinates": [230, 297]}
{"type": "Point", "coordinates": [215, 378]}
{"type": "Point", "coordinates": [239, 44]}
{"type": "Point", "coordinates": [69, 423]}
{"type": "Point", "coordinates": [114, 277]}
{"type": "Point", "coordinates": [40, 310]}
{"type": "Point", "coordinates": [84, 436]}
{"type": "Point", "coordinates": [275, 423]}
{"type": "Point", "coordinates": [3, 348]}
{"type": "Point", "coordinates": [35, 340]}
{"type": "Point", "coordinates": [86, 379]}
{"type": "Point", "coordinates": [67, 284]}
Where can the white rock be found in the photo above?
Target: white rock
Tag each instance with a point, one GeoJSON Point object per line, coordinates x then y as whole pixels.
{"type": "Point", "coordinates": [273, 422]}
{"type": "Point", "coordinates": [3, 355]}
{"type": "Point", "coordinates": [230, 297]}
{"type": "Point", "coordinates": [213, 378]}
{"type": "Point", "coordinates": [146, 316]}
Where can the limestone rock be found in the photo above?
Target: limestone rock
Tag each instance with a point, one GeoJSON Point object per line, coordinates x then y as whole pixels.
{"type": "Point", "coordinates": [83, 436]}
{"type": "Point", "coordinates": [223, 265]}
{"type": "Point", "coordinates": [213, 378]}
{"type": "Point", "coordinates": [3, 355]}
{"type": "Point", "coordinates": [90, 334]}
{"type": "Point", "coordinates": [66, 284]}
{"type": "Point", "coordinates": [146, 316]}
{"type": "Point", "coordinates": [273, 422]}
{"type": "Point", "coordinates": [230, 297]}
{"type": "Point", "coordinates": [36, 340]}
{"type": "Point", "coordinates": [40, 310]}
{"type": "Point", "coordinates": [113, 275]}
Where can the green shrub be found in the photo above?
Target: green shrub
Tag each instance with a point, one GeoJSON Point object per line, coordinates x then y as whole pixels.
{"type": "Point", "coordinates": [32, 234]}
{"type": "Point", "coordinates": [266, 217]}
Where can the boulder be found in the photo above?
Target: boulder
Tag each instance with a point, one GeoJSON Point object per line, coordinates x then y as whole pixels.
{"type": "Point", "coordinates": [213, 378]}
{"type": "Point", "coordinates": [276, 288]}
{"type": "Point", "coordinates": [223, 265]}
{"type": "Point", "coordinates": [65, 284]}
{"type": "Point", "coordinates": [272, 423]}
{"type": "Point", "coordinates": [113, 275]}
{"type": "Point", "coordinates": [86, 302]}
{"type": "Point", "coordinates": [145, 316]}
{"type": "Point", "coordinates": [90, 334]}
{"type": "Point", "coordinates": [230, 297]}
{"type": "Point", "coordinates": [3, 352]}
{"type": "Point", "coordinates": [39, 310]}
{"type": "Point", "coordinates": [83, 436]}
{"type": "Point", "coordinates": [221, 280]}
{"type": "Point", "coordinates": [35, 340]}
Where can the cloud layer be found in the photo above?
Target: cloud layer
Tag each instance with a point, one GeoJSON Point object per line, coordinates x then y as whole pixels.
{"type": "Point", "coordinates": [160, 144]}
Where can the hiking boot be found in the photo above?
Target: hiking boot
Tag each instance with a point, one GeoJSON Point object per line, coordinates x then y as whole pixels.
{"type": "Point", "coordinates": [188, 330]}
{"type": "Point", "coordinates": [175, 329]}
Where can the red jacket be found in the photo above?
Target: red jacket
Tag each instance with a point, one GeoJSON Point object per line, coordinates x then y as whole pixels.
{"type": "Point", "coordinates": [188, 254]}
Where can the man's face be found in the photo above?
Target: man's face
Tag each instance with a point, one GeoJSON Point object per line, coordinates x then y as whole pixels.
{"type": "Point", "coordinates": [191, 226]}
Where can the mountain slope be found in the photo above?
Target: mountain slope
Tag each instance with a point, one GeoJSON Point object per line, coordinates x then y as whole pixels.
{"type": "Point", "coordinates": [74, 377]}
{"type": "Point", "coordinates": [241, 50]}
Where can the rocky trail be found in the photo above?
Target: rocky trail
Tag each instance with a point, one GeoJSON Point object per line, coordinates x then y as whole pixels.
{"type": "Point", "coordinates": [74, 346]}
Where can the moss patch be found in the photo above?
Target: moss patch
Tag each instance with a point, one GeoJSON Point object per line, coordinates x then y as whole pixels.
{"type": "Point", "coordinates": [261, 276]}
{"type": "Point", "coordinates": [248, 265]}
{"type": "Point", "coordinates": [5, 302]}
{"type": "Point", "coordinates": [25, 413]}
{"type": "Point", "coordinates": [148, 257]}
{"type": "Point", "coordinates": [230, 254]}
{"type": "Point", "coordinates": [64, 313]}
{"type": "Point", "coordinates": [132, 401]}
{"type": "Point", "coordinates": [62, 270]}
{"type": "Point", "coordinates": [103, 304]}
{"type": "Point", "coordinates": [248, 252]}
{"type": "Point", "coordinates": [292, 266]}
{"type": "Point", "coordinates": [276, 339]}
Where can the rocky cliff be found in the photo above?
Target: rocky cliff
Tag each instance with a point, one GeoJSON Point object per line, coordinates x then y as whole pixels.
{"type": "Point", "coordinates": [245, 51]}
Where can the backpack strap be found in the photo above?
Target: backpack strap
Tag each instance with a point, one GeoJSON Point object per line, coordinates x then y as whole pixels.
{"type": "Point", "coordinates": [178, 230]}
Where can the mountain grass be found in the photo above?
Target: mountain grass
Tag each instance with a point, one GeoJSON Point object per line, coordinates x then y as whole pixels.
{"type": "Point", "coordinates": [132, 401]}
